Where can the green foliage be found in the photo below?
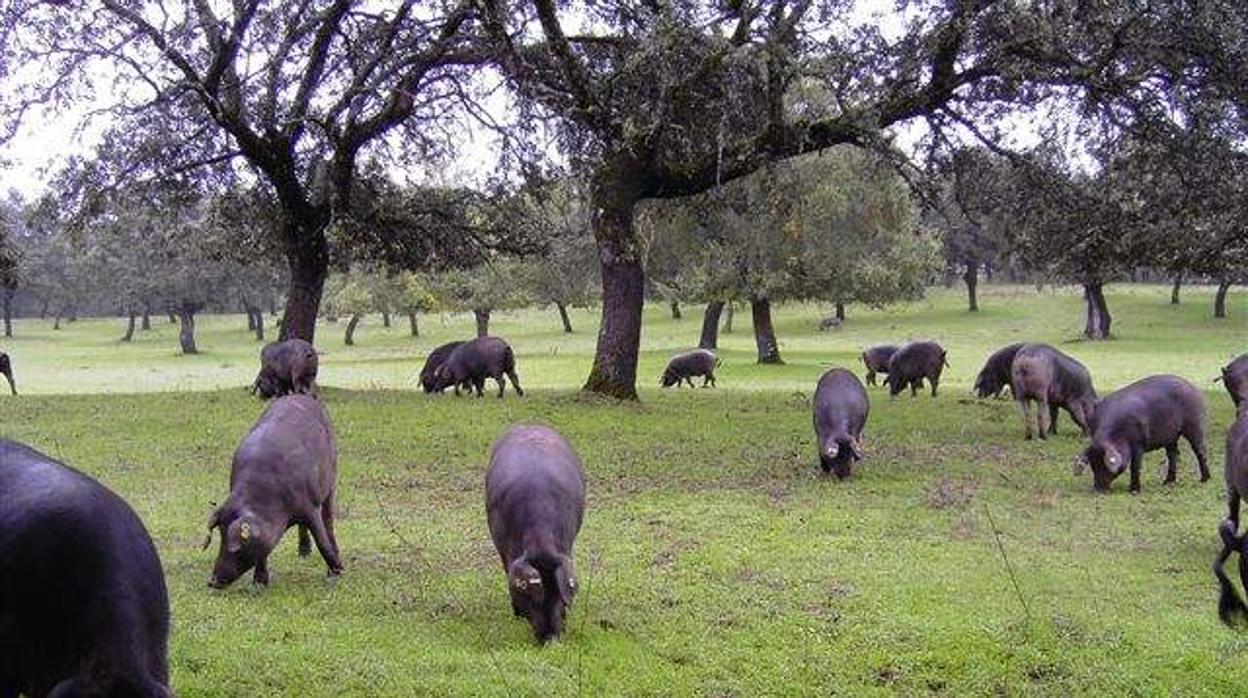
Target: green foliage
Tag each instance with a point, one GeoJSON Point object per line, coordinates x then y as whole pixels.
{"type": "Point", "coordinates": [499, 284]}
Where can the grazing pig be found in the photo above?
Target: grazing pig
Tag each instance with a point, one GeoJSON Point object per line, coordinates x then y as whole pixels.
{"type": "Point", "coordinates": [285, 367]}
{"type": "Point", "coordinates": [535, 501]}
{"type": "Point", "coordinates": [1231, 606]}
{"type": "Point", "coordinates": [1147, 415]}
{"type": "Point", "coordinates": [996, 373]}
{"type": "Point", "coordinates": [876, 360]}
{"type": "Point", "coordinates": [472, 362]}
{"type": "Point", "coordinates": [1234, 377]}
{"type": "Point", "coordinates": [682, 367]}
{"type": "Point", "coordinates": [1052, 379]}
{"type": "Point", "coordinates": [436, 358]}
{"type": "Point", "coordinates": [6, 368]}
{"type": "Point", "coordinates": [841, 408]}
{"type": "Point", "coordinates": [83, 605]}
{"type": "Point", "coordinates": [912, 363]}
{"type": "Point", "coordinates": [283, 474]}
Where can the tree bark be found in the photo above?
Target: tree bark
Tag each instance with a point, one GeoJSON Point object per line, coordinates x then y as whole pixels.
{"type": "Point", "coordinates": [8, 312]}
{"type": "Point", "coordinates": [129, 335]}
{"type": "Point", "coordinates": [56, 324]}
{"type": "Point", "coordinates": [415, 327]}
{"type": "Point", "coordinates": [349, 337]}
{"type": "Point", "coordinates": [385, 319]}
{"type": "Point", "coordinates": [676, 310]}
{"type": "Point", "coordinates": [173, 319]}
{"type": "Point", "coordinates": [1219, 298]}
{"type": "Point", "coordinates": [483, 321]}
{"type": "Point", "coordinates": [1174, 290]}
{"type": "Point", "coordinates": [840, 311]}
{"type": "Point", "coordinates": [971, 277]}
{"type": "Point", "coordinates": [615, 190]}
{"type": "Point", "coordinates": [307, 256]}
{"type": "Point", "coordinates": [563, 316]}
{"type": "Point", "coordinates": [251, 317]}
{"type": "Point", "coordinates": [186, 336]}
{"type": "Point", "coordinates": [764, 332]}
{"type": "Point", "coordinates": [1099, 319]}
{"type": "Point", "coordinates": [147, 316]}
{"type": "Point", "coordinates": [258, 316]}
{"type": "Point", "coordinates": [729, 312]}
{"type": "Point", "coordinates": [710, 325]}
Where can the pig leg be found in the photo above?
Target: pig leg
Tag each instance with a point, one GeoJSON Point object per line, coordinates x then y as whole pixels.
{"type": "Point", "coordinates": [1137, 459]}
{"type": "Point", "coordinates": [1042, 418]}
{"type": "Point", "coordinates": [689, 380]}
{"type": "Point", "coordinates": [329, 551]}
{"type": "Point", "coordinates": [1196, 440]}
{"type": "Point", "coordinates": [1232, 507]}
{"type": "Point", "coordinates": [478, 384]}
{"type": "Point", "coordinates": [1172, 462]}
{"type": "Point", "coordinates": [260, 577]}
{"type": "Point", "coordinates": [708, 379]}
{"type": "Point", "coordinates": [1053, 418]}
{"type": "Point", "coordinates": [305, 542]}
{"type": "Point", "coordinates": [515, 381]}
{"type": "Point", "coordinates": [1024, 406]}
{"type": "Point", "coordinates": [327, 515]}
{"type": "Point", "coordinates": [870, 377]}
{"type": "Point", "coordinates": [501, 385]}
{"type": "Point", "coordinates": [914, 387]}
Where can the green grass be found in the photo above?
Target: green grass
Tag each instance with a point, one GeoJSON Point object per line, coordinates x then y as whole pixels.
{"type": "Point", "coordinates": [714, 560]}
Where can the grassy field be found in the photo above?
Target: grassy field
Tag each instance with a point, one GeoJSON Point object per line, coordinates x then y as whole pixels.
{"type": "Point", "coordinates": [715, 560]}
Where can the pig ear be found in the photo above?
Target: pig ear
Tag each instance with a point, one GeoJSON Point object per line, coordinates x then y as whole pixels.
{"type": "Point", "coordinates": [237, 535]}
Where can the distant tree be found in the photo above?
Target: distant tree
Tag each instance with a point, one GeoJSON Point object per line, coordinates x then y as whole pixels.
{"type": "Point", "coordinates": [495, 285]}
{"type": "Point", "coordinates": [965, 209]}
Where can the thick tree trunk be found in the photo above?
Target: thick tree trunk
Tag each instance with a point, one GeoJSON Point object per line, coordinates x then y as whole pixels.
{"type": "Point", "coordinates": [411, 322]}
{"type": "Point", "coordinates": [616, 188]}
{"type": "Point", "coordinates": [764, 332]}
{"type": "Point", "coordinates": [676, 310]}
{"type": "Point", "coordinates": [307, 256]}
{"type": "Point", "coordinates": [729, 312]}
{"type": "Point", "coordinates": [1174, 290]}
{"type": "Point", "coordinates": [563, 316]}
{"type": "Point", "coordinates": [129, 335]}
{"type": "Point", "coordinates": [8, 312]}
{"type": "Point", "coordinates": [1219, 298]}
{"type": "Point", "coordinates": [349, 337]}
{"type": "Point", "coordinates": [483, 321]}
{"type": "Point", "coordinates": [971, 277]}
{"type": "Point", "coordinates": [385, 319]}
{"type": "Point", "coordinates": [840, 311]}
{"type": "Point", "coordinates": [1099, 319]}
{"type": "Point", "coordinates": [258, 319]}
{"type": "Point", "coordinates": [710, 325]}
{"type": "Point", "coordinates": [186, 336]}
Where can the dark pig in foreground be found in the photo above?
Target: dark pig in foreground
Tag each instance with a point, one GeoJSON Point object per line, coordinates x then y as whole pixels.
{"type": "Point", "coordinates": [286, 367]}
{"type": "Point", "coordinates": [436, 358]}
{"type": "Point", "coordinates": [6, 368]}
{"type": "Point", "coordinates": [840, 412]}
{"type": "Point", "coordinates": [1234, 377]}
{"type": "Point", "coordinates": [474, 361]}
{"type": "Point", "coordinates": [1052, 379]}
{"type": "Point", "coordinates": [996, 374]}
{"type": "Point", "coordinates": [283, 475]}
{"type": "Point", "coordinates": [1147, 415]}
{"type": "Point", "coordinates": [83, 605]}
{"type": "Point", "coordinates": [683, 367]}
{"type": "Point", "coordinates": [535, 501]}
{"type": "Point", "coordinates": [1231, 606]}
{"type": "Point", "coordinates": [876, 360]}
{"type": "Point", "coordinates": [912, 363]}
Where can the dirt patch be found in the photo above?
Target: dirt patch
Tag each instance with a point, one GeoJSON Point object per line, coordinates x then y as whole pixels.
{"type": "Point", "coordinates": [951, 493]}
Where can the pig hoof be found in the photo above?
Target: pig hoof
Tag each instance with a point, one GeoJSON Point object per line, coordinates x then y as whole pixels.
{"type": "Point", "coordinates": [258, 587]}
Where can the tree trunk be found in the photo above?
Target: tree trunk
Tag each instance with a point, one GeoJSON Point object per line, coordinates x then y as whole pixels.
{"type": "Point", "coordinates": [483, 321]}
{"type": "Point", "coordinates": [147, 316]}
{"type": "Point", "coordinates": [840, 311]}
{"type": "Point", "coordinates": [251, 317]}
{"type": "Point", "coordinates": [72, 315]}
{"type": "Point", "coordinates": [988, 272]}
{"type": "Point", "coordinates": [43, 310]}
{"type": "Point", "coordinates": [971, 277]}
{"type": "Point", "coordinates": [415, 327]}
{"type": "Point", "coordinates": [349, 337]}
{"type": "Point", "coordinates": [307, 256]}
{"type": "Point", "coordinates": [186, 336]}
{"type": "Point", "coordinates": [1219, 298]}
{"type": "Point", "coordinates": [129, 335]}
{"type": "Point", "coordinates": [563, 316]}
{"type": "Point", "coordinates": [764, 333]}
{"type": "Point", "coordinates": [258, 316]}
{"type": "Point", "coordinates": [616, 187]}
{"type": "Point", "coordinates": [710, 325]}
{"type": "Point", "coordinates": [1174, 290]}
{"type": "Point", "coordinates": [385, 319]}
{"type": "Point", "coordinates": [676, 310]}
{"type": "Point", "coordinates": [173, 319]}
{"type": "Point", "coordinates": [8, 312]}
{"type": "Point", "coordinates": [1099, 319]}
{"type": "Point", "coordinates": [56, 324]}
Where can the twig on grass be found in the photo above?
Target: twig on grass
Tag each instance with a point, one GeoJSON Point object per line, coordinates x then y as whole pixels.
{"type": "Point", "coordinates": [996, 536]}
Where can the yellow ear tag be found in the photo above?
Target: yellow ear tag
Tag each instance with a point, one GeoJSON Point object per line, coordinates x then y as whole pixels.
{"type": "Point", "coordinates": [244, 532]}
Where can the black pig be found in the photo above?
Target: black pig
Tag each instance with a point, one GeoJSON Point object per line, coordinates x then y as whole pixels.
{"type": "Point", "coordinates": [876, 360]}
{"type": "Point", "coordinates": [1147, 415]}
{"type": "Point", "coordinates": [1234, 377]}
{"type": "Point", "coordinates": [534, 502]}
{"type": "Point", "coordinates": [912, 363]}
{"type": "Point", "coordinates": [436, 358]}
{"type": "Point", "coordinates": [83, 605]}
{"type": "Point", "coordinates": [6, 368]}
{"type": "Point", "coordinates": [1231, 606]}
{"type": "Point", "coordinates": [996, 375]}
{"type": "Point", "coordinates": [285, 367]}
{"type": "Point", "coordinates": [283, 475]}
{"type": "Point", "coordinates": [1052, 379]}
{"type": "Point", "coordinates": [840, 412]}
{"type": "Point", "coordinates": [682, 367]}
{"type": "Point", "coordinates": [472, 362]}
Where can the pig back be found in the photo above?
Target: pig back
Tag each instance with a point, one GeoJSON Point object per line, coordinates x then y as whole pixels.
{"type": "Point", "coordinates": [535, 481]}
{"type": "Point", "coordinates": [292, 442]}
